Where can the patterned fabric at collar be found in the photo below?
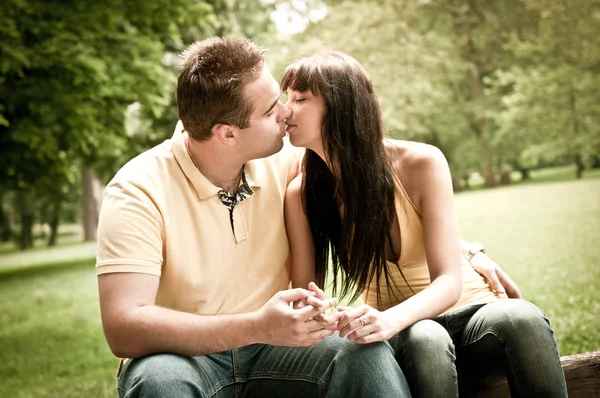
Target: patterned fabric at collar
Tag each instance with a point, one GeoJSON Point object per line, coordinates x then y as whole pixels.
{"type": "Point", "coordinates": [243, 192]}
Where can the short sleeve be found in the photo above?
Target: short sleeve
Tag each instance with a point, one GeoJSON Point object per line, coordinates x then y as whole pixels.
{"type": "Point", "coordinates": [130, 237]}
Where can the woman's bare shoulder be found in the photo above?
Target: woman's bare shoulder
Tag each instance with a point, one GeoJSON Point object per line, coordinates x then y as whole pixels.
{"type": "Point", "coordinates": [416, 165]}
{"type": "Point", "coordinates": [411, 156]}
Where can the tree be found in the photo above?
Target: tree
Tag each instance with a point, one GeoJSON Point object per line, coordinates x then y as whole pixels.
{"type": "Point", "coordinates": [423, 80]}
{"type": "Point", "coordinates": [68, 71]}
{"type": "Point", "coordinates": [490, 83]}
{"type": "Point", "coordinates": [553, 104]}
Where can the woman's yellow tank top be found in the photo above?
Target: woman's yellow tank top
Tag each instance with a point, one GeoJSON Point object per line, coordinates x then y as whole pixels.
{"type": "Point", "coordinates": [413, 264]}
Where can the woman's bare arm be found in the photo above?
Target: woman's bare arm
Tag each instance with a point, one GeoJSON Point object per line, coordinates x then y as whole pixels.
{"type": "Point", "coordinates": [302, 250]}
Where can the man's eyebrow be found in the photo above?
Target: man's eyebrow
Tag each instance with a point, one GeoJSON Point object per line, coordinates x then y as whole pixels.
{"type": "Point", "coordinates": [272, 106]}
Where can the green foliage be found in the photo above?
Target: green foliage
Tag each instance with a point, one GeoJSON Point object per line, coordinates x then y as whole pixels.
{"type": "Point", "coordinates": [553, 101]}
{"type": "Point", "coordinates": [70, 70]}
{"type": "Point", "coordinates": [489, 83]}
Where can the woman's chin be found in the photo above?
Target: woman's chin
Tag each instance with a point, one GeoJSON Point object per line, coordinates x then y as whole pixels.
{"type": "Point", "coordinates": [295, 141]}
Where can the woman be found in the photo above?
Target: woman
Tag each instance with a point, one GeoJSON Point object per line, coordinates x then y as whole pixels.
{"type": "Point", "coordinates": [382, 212]}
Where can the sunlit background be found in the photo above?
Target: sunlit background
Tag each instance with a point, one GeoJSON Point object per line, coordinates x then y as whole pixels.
{"type": "Point", "coordinates": [508, 90]}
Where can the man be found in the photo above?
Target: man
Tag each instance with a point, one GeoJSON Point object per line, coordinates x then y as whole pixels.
{"type": "Point", "coordinates": [192, 254]}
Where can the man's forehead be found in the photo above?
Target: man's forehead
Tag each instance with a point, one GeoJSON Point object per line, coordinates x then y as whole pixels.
{"type": "Point", "coordinates": [263, 91]}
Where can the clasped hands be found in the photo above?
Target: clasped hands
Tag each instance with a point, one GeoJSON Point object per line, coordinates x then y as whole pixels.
{"type": "Point", "coordinates": [307, 322]}
{"type": "Point", "coordinates": [363, 324]}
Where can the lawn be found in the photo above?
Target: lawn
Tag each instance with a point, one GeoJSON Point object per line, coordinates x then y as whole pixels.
{"type": "Point", "coordinates": [545, 235]}
{"type": "Point", "coordinates": [52, 341]}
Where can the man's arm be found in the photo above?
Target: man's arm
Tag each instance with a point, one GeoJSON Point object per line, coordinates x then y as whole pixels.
{"type": "Point", "coordinates": [134, 326]}
{"type": "Point", "coordinates": [498, 279]}
{"type": "Point", "coordinates": [129, 261]}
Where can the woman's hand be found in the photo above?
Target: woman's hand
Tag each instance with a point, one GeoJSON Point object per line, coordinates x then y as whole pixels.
{"type": "Point", "coordinates": [365, 324]}
{"type": "Point", "coordinates": [319, 301]}
{"type": "Point", "coordinates": [499, 280]}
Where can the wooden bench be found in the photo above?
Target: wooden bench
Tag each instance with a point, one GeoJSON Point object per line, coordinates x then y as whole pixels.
{"type": "Point", "coordinates": [582, 372]}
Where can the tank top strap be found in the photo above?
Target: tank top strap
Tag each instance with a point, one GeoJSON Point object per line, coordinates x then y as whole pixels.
{"type": "Point", "coordinates": [403, 198]}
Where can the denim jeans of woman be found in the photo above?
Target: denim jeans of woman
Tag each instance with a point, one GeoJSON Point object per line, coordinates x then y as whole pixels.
{"type": "Point", "coordinates": [335, 367]}
{"type": "Point", "coordinates": [507, 338]}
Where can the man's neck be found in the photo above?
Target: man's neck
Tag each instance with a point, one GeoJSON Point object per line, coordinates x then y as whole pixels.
{"type": "Point", "coordinates": [221, 169]}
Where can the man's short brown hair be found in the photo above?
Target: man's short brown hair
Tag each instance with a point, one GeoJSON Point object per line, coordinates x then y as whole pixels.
{"type": "Point", "coordinates": [210, 88]}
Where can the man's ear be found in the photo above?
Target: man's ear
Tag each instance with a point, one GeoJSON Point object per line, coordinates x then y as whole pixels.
{"type": "Point", "coordinates": [224, 133]}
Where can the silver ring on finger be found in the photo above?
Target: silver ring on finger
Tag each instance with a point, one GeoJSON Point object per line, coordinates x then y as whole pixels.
{"type": "Point", "coordinates": [363, 321]}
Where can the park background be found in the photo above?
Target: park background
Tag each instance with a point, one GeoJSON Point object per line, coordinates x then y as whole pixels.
{"type": "Point", "coordinates": [508, 90]}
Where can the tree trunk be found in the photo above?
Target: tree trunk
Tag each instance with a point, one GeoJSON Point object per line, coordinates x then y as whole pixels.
{"type": "Point", "coordinates": [524, 174]}
{"type": "Point", "coordinates": [488, 157]}
{"type": "Point", "coordinates": [5, 224]}
{"type": "Point", "coordinates": [456, 183]}
{"type": "Point", "coordinates": [579, 166]}
{"type": "Point", "coordinates": [54, 221]}
{"type": "Point", "coordinates": [466, 178]}
{"type": "Point", "coordinates": [90, 209]}
{"type": "Point", "coordinates": [25, 209]}
{"type": "Point", "coordinates": [478, 124]}
{"type": "Point", "coordinates": [476, 118]}
{"type": "Point", "coordinates": [574, 108]}
{"type": "Point", "coordinates": [488, 172]}
{"type": "Point", "coordinates": [505, 178]}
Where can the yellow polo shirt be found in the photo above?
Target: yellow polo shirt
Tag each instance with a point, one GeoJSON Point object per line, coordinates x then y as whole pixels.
{"type": "Point", "coordinates": [161, 216]}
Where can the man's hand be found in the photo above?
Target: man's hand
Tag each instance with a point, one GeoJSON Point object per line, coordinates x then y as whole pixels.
{"type": "Point", "coordinates": [283, 325]}
{"type": "Point", "coordinates": [365, 324]}
{"type": "Point", "coordinates": [499, 280]}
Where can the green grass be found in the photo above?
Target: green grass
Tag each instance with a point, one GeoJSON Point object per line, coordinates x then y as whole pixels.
{"type": "Point", "coordinates": [52, 341]}
{"type": "Point", "coordinates": [545, 235]}
{"type": "Point", "coordinates": [546, 238]}
{"type": "Point", "coordinates": [65, 252]}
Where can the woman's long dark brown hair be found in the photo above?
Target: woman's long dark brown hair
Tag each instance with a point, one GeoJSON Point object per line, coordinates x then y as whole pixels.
{"type": "Point", "coordinates": [359, 178]}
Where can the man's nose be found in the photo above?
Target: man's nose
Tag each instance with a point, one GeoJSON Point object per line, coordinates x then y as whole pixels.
{"type": "Point", "coordinates": [287, 112]}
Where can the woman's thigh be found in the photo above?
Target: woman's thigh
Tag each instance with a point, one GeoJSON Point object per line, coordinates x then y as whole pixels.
{"type": "Point", "coordinates": [425, 353]}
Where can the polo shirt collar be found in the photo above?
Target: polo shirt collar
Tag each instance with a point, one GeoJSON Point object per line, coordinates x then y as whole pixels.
{"type": "Point", "coordinates": [203, 187]}
{"type": "Point", "coordinates": [254, 173]}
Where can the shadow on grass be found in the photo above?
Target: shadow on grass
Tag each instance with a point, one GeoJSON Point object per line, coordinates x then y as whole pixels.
{"type": "Point", "coordinates": [23, 272]}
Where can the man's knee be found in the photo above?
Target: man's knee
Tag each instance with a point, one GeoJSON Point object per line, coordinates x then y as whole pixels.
{"type": "Point", "coordinates": [364, 369]}
{"type": "Point", "coordinates": [340, 349]}
{"type": "Point", "coordinates": [160, 375]}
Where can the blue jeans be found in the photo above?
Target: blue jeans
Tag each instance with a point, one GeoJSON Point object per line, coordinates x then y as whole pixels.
{"type": "Point", "coordinates": [507, 338]}
{"type": "Point", "coordinates": [333, 368]}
